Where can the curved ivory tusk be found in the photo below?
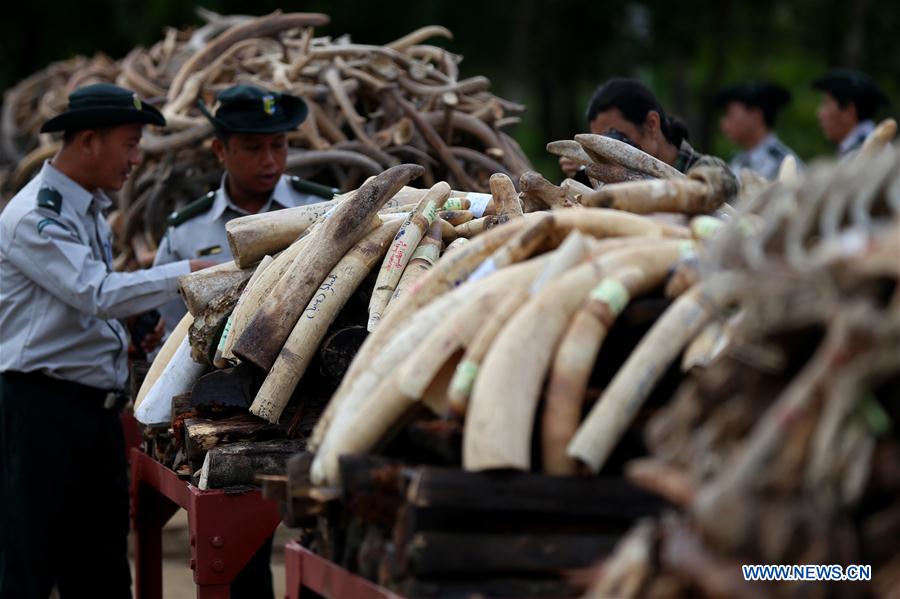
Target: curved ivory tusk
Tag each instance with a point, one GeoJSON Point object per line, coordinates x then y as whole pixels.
{"type": "Point", "coordinates": [500, 418]}
{"type": "Point", "coordinates": [616, 408]}
{"type": "Point", "coordinates": [418, 36]}
{"type": "Point", "coordinates": [411, 232]}
{"type": "Point", "coordinates": [163, 357]}
{"type": "Point", "coordinates": [607, 149]}
{"type": "Point", "coordinates": [572, 150]}
{"type": "Point", "coordinates": [200, 288]}
{"type": "Point", "coordinates": [219, 360]}
{"type": "Point", "coordinates": [323, 308]}
{"type": "Point", "coordinates": [578, 351]}
{"type": "Point", "coordinates": [261, 27]}
{"type": "Point", "coordinates": [451, 270]}
{"type": "Point", "coordinates": [253, 236]}
{"type": "Point", "coordinates": [879, 137]}
{"type": "Point", "coordinates": [426, 255]}
{"type": "Point", "coordinates": [373, 404]}
{"type": "Point", "coordinates": [179, 375]}
{"type": "Point", "coordinates": [332, 238]}
{"type": "Point", "coordinates": [572, 251]}
{"type": "Point", "coordinates": [254, 295]}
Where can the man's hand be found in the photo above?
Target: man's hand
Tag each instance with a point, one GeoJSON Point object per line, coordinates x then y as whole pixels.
{"type": "Point", "coordinates": [152, 339]}
{"type": "Point", "coordinates": [569, 167]}
{"type": "Point", "coordinates": [200, 264]}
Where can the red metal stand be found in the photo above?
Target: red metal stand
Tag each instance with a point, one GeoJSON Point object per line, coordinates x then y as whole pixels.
{"type": "Point", "coordinates": [226, 529]}
{"type": "Point", "coordinates": [303, 569]}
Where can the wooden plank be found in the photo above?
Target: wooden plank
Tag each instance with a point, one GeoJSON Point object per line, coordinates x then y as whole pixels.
{"type": "Point", "coordinates": [488, 587]}
{"type": "Point", "coordinates": [412, 520]}
{"type": "Point", "coordinates": [610, 497]}
{"type": "Point", "coordinates": [202, 434]}
{"type": "Point", "coordinates": [441, 553]}
{"type": "Point", "coordinates": [239, 463]}
{"type": "Point", "coordinates": [274, 487]}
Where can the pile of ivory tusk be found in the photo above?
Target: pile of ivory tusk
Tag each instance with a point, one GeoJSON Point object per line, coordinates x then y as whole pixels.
{"type": "Point", "coordinates": [371, 107]}
{"type": "Point", "coordinates": [782, 444]}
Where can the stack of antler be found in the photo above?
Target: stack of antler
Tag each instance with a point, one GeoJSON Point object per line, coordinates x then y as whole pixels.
{"type": "Point", "coordinates": [782, 446]}
{"type": "Point", "coordinates": [371, 107]}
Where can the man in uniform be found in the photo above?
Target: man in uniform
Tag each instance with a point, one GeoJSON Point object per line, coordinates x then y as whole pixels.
{"type": "Point", "coordinates": [847, 110]}
{"type": "Point", "coordinates": [748, 121]}
{"type": "Point", "coordinates": [63, 357]}
{"type": "Point", "coordinates": [251, 126]}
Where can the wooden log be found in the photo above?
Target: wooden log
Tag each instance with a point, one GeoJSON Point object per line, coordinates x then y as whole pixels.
{"type": "Point", "coordinates": [270, 327]}
{"type": "Point", "coordinates": [202, 434]}
{"type": "Point", "coordinates": [437, 553]}
{"type": "Point", "coordinates": [494, 586]}
{"type": "Point", "coordinates": [528, 493]}
{"type": "Point", "coordinates": [239, 463]}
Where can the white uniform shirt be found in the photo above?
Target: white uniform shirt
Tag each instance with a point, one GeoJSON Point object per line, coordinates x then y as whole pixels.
{"type": "Point", "coordinates": [59, 297]}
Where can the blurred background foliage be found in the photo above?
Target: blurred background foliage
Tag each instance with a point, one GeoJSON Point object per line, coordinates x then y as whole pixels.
{"type": "Point", "coordinates": [548, 54]}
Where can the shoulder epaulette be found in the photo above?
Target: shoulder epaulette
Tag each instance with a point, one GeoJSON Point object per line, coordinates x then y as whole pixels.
{"type": "Point", "coordinates": [193, 209]}
{"type": "Point", "coordinates": [776, 151]}
{"type": "Point", "coordinates": [50, 199]}
{"type": "Point", "coordinates": [312, 188]}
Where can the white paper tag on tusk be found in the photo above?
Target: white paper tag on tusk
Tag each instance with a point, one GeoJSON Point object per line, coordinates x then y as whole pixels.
{"type": "Point", "coordinates": [483, 270]}
{"type": "Point", "coordinates": [478, 203]}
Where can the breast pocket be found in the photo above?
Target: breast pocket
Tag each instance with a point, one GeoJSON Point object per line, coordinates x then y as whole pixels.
{"type": "Point", "coordinates": [212, 250]}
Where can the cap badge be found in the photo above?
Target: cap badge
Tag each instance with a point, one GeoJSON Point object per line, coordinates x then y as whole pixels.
{"type": "Point", "coordinates": [269, 105]}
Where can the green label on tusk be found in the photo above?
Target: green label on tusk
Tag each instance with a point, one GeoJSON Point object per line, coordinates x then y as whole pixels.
{"type": "Point", "coordinates": [687, 248]}
{"type": "Point", "coordinates": [705, 227]}
{"type": "Point", "coordinates": [225, 331]}
{"type": "Point", "coordinates": [454, 204]}
{"type": "Point", "coordinates": [428, 252]}
{"type": "Point", "coordinates": [430, 211]}
{"type": "Point", "coordinates": [464, 378]}
{"type": "Point", "coordinates": [613, 293]}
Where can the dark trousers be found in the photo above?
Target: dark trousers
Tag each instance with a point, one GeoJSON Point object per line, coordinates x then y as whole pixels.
{"type": "Point", "coordinates": [255, 580]}
{"type": "Point", "coordinates": [63, 491]}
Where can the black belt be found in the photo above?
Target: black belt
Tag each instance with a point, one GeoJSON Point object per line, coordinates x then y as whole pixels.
{"type": "Point", "coordinates": [108, 399]}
